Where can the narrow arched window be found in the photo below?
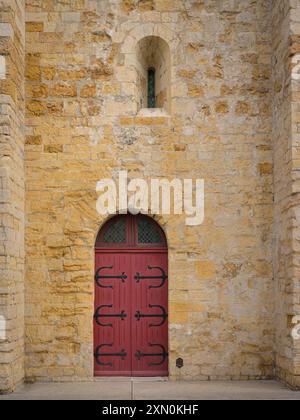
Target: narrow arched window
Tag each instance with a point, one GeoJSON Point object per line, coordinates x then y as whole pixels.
{"type": "Point", "coordinates": [153, 75]}
{"type": "Point", "coordinates": [151, 88]}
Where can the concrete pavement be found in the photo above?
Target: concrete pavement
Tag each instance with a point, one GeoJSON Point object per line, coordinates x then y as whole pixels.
{"type": "Point", "coordinates": [149, 389]}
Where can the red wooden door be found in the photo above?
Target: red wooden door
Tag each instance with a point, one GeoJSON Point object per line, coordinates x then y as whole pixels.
{"type": "Point", "coordinates": [131, 299]}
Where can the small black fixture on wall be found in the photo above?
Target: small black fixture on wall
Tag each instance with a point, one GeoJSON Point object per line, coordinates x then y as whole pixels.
{"type": "Point", "coordinates": [179, 363]}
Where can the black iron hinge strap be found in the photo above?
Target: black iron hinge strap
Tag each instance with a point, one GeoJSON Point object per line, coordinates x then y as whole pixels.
{"type": "Point", "coordinates": [164, 354]}
{"type": "Point", "coordinates": [163, 277]}
{"type": "Point", "coordinates": [99, 277]}
{"type": "Point", "coordinates": [122, 354]}
{"type": "Point", "coordinates": [98, 315]}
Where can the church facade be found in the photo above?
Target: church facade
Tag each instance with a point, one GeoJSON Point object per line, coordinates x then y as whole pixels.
{"type": "Point", "coordinates": [161, 89]}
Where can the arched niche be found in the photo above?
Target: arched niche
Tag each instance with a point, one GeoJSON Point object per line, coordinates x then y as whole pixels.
{"type": "Point", "coordinates": [153, 69]}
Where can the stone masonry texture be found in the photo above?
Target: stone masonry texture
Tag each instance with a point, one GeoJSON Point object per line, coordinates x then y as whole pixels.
{"type": "Point", "coordinates": [286, 78]}
{"type": "Point", "coordinates": [12, 191]}
{"type": "Point", "coordinates": [230, 86]}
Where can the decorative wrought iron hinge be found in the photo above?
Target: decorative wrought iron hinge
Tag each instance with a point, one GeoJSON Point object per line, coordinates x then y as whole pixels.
{"type": "Point", "coordinates": [98, 315]}
{"type": "Point", "coordinates": [163, 277]}
{"type": "Point", "coordinates": [121, 277]}
{"type": "Point", "coordinates": [163, 355]}
{"type": "Point", "coordinates": [138, 315]}
{"type": "Point", "coordinates": [98, 354]}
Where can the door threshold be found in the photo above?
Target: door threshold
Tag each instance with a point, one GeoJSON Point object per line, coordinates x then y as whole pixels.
{"type": "Point", "coordinates": [150, 378]}
{"type": "Point", "coordinates": [129, 379]}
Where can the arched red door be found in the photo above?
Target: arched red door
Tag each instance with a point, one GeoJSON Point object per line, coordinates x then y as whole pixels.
{"type": "Point", "coordinates": [131, 298]}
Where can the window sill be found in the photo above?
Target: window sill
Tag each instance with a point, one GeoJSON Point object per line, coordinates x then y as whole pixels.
{"type": "Point", "coordinates": [153, 112]}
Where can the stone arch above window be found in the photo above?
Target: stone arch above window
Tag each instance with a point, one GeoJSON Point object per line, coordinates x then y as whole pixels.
{"type": "Point", "coordinates": [153, 65]}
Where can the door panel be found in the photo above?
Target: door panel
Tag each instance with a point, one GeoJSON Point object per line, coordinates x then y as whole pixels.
{"type": "Point", "coordinates": [148, 336]}
{"type": "Point", "coordinates": [115, 335]}
{"type": "Point", "coordinates": [131, 285]}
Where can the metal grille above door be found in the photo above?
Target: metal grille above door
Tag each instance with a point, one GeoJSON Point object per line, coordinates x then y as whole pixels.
{"type": "Point", "coordinates": [148, 232]}
{"type": "Point", "coordinates": [116, 232]}
{"type": "Point", "coordinates": [131, 232]}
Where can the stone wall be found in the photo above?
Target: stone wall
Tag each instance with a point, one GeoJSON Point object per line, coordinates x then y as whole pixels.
{"type": "Point", "coordinates": [286, 87]}
{"type": "Point", "coordinates": [12, 40]}
{"type": "Point", "coordinates": [295, 129]}
{"type": "Point", "coordinates": [82, 126]}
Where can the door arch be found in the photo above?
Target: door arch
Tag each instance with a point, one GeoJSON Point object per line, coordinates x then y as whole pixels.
{"type": "Point", "coordinates": [131, 298]}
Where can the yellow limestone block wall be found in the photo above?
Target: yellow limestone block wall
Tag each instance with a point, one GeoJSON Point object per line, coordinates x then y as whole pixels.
{"type": "Point", "coordinates": [12, 192]}
{"type": "Point", "coordinates": [83, 125]}
{"type": "Point", "coordinates": [286, 88]}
